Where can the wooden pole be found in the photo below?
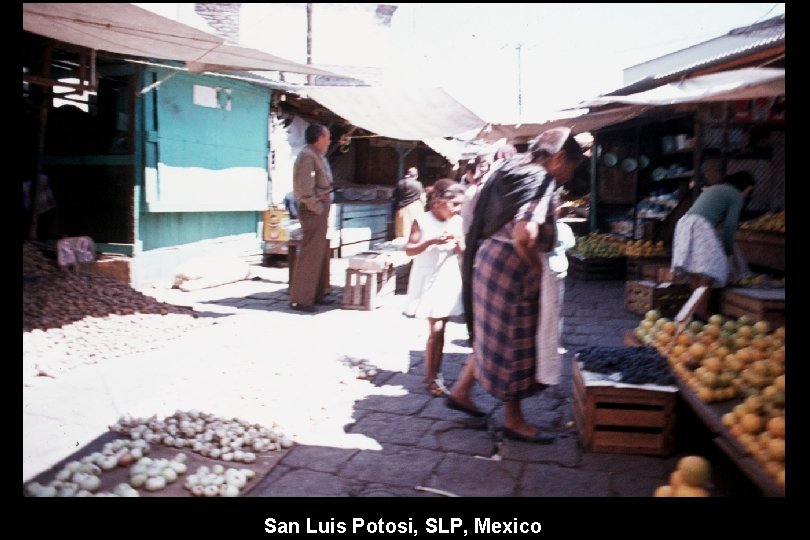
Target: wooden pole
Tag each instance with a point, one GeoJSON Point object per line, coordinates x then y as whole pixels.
{"type": "Point", "coordinates": [44, 95]}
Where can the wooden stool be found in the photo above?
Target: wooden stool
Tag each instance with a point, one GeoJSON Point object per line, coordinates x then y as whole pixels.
{"type": "Point", "coordinates": [365, 289]}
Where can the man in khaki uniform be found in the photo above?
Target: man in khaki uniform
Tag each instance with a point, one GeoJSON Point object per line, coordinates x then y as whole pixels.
{"type": "Point", "coordinates": [312, 186]}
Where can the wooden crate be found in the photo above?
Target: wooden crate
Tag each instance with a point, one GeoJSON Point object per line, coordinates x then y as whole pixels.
{"type": "Point", "coordinates": [644, 295]}
{"type": "Point", "coordinates": [593, 268]}
{"type": "Point", "coordinates": [645, 267]}
{"type": "Point", "coordinates": [762, 248]}
{"type": "Point", "coordinates": [759, 304]}
{"type": "Point", "coordinates": [366, 289]}
{"type": "Point", "coordinates": [623, 420]}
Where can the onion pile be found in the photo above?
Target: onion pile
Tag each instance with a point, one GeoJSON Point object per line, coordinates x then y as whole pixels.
{"type": "Point", "coordinates": [205, 434]}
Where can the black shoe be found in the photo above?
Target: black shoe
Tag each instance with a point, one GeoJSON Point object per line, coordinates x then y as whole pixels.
{"type": "Point", "coordinates": [455, 405]}
{"type": "Point", "coordinates": [306, 308]}
{"type": "Point", "coordinates": [537, 438]}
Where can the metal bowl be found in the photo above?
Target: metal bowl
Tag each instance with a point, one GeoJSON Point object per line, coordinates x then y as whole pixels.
{"type": "Point", "coordinates": [643, 161]}
{"type": "Point", "coordinates": [629, 165]}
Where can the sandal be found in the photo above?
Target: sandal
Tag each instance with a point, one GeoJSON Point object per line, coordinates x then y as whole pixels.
{"type": "Point", "coordinates": [436, 387]}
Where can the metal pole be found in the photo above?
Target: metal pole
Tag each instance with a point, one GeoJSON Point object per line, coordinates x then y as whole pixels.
{"type": "Point", "coordinates": [309, 40]}
{"type": "Point", "coordinates": [520, 83]}
{"type": "Point", "coordinates": [594, 186]}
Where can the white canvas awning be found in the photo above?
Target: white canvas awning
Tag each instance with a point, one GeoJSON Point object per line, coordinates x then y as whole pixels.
{"type": "Point", "coordinates": [579, 122]}
{"type": "Point", "coordinates": [131, 30]}
{"type": "Point", "coordinates": [409, 114]}
{"type": "Point", "coordinates": [592, 114]}
{"type": "Point", "coordinates": [733, 85]}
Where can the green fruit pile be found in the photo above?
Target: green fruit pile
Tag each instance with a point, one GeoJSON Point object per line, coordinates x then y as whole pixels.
{"type": "Point", "coordinates": [598, 245]}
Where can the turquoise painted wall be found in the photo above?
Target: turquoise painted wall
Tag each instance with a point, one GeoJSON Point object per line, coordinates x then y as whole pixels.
{"type": "Point", "coordinates": [191, 135]}
{"type": "Point", "coordinates": [179, 133]}
{"type": "Point", "coordinates": [174, 228]}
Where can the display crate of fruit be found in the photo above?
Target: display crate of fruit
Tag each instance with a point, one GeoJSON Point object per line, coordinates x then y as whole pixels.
{"type": "Point", "coordinates": [758, 304]}
{"type": "Point", "coordinates": [762, 248]}
{"type": "Point", "coordinates": [645, 267]}
{"type": "Point", "coordinates": [643, 295]}
{"type": "Point", "coordinates": [616, 417]}
{"type": "Point", "coordinates": [738, 426]}
{"type": "Point", "coordinates": [592, 268]}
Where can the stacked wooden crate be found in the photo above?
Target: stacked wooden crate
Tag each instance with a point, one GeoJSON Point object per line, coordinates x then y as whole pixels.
{"type": "Point", "coordinates": [625, 420]}
{"type": "Point", "coordinates": [643, 295]}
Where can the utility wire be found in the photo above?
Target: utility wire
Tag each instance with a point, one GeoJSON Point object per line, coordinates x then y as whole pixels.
{"type": "Point", "coordinates": [773, 7]}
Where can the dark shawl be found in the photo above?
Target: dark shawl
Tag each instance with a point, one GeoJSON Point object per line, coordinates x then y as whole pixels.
{"type": "Point", "coordinates": [407, 191]}
{"type": "Point", "coordinates": [509, 187]}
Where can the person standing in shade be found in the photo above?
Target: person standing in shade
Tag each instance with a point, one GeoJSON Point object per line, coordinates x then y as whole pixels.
{"type": "Point", "coordinates": [468, 178]}
{"type": "Point", "coordinates": [312, 185]}
{"type": "Point", "coordinates": [409, 203]}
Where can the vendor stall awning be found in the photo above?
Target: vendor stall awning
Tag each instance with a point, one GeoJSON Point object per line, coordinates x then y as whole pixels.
{"type": "Point", "coordinates": [592, 114]}
{"type": "Point", "coordinates": [733, 85]}
{"type": "Point", "coordinates": [409, 114]}
{"type": "Point", "coordinates": [579, 122]}
{"type": "Point", "coordinates": [131, 30]}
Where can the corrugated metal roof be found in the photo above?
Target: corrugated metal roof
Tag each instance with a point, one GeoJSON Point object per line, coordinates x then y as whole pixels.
{"type": "Point", "coordinates": [731, 85]}
{"type": "Point", "coordinates": [737, 43]}
{"type": "Point", "coordinates": [759, 44]}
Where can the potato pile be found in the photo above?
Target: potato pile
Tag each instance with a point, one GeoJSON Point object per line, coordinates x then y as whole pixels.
{"type": "Point", "coordinates": [71, 319]}
{"type": "Point", "coordinates": [34, 262]}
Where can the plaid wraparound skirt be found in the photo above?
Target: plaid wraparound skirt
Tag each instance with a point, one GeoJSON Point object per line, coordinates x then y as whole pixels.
{"type": "Point", "coordinates": [505, 304]}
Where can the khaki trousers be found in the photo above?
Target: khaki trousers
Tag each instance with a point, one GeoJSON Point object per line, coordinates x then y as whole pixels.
{"type": "Point", "coordinates": [309, 265]}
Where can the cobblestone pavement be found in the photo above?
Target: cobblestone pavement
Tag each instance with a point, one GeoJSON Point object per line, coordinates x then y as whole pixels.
{"type": "Point", "coordinates": [383, 436]}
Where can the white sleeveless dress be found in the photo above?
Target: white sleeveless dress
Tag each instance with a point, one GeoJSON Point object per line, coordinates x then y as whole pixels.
{"type": "Point", "coordinates": [434, 285]}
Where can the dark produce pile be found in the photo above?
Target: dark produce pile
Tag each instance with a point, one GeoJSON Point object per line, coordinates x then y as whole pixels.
{"type": "Point", "coordinates": [73, 318]}
{"type": "Point", "coordinates": [35, 262]}
{"type": "Point", "coordinates": [637, 365]}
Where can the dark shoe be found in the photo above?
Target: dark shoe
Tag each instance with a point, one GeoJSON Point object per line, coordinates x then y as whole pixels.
{"type": "Point", "coordinates": [325, 302]}
{"type": "Point", "coordinates": [306, 308]}
{"type": "Point", "coordinates": [537, 438]}
{"type": "Point", "coordinates": [455, 405]}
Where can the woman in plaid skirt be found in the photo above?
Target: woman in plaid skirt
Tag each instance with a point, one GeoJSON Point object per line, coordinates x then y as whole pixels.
{"type": "Point", "coordinates": [503, 270]}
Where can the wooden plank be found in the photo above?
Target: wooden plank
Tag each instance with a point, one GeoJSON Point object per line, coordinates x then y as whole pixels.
{"type": "Point", "coordinates": [611, 394]}
{"type": "Point", "coordinates": [752, 469]}
{"type": "Point", "coordinates": [630, 443]}
{"type": "Point", "coordinates": [630, 417]}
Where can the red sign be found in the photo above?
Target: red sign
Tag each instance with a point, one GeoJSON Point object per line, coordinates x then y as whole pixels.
{"type": "Point", "coordinates": [770, 110]}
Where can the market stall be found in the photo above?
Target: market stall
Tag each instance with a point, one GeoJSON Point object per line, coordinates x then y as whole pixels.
{"type": "Point", "coordinates": [731, 373]}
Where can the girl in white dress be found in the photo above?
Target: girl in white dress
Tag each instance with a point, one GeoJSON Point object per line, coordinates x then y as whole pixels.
{"type": "Point", "coordinates": [434, 287]}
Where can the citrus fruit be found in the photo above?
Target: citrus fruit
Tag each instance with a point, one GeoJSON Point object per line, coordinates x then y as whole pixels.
{"type": "Point", "coordinates": [695, 470]}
